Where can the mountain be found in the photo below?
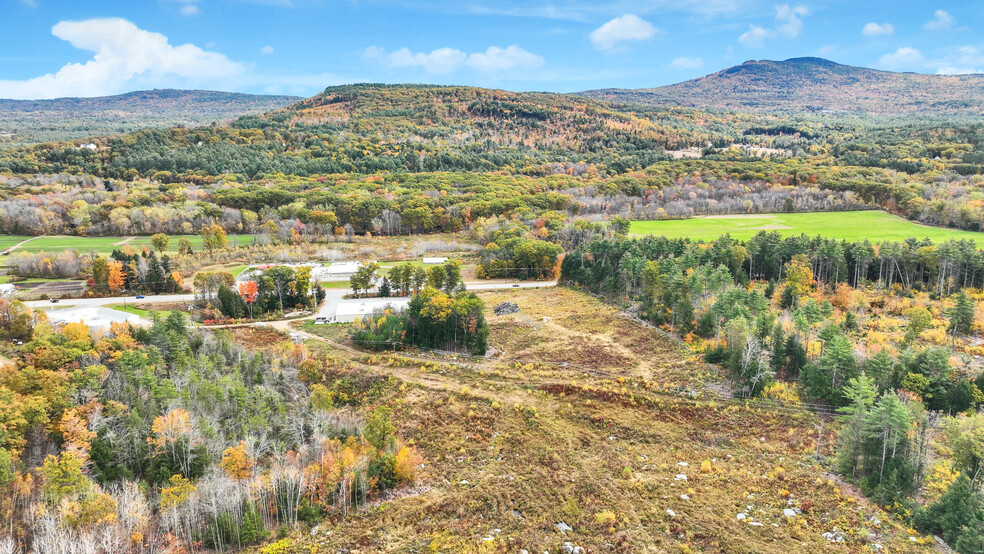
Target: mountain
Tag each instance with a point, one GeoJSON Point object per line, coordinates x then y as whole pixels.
{"type": "Point", "coordinates": [815, 84]}
{"type": "Point", "coordinates": [31, 121]}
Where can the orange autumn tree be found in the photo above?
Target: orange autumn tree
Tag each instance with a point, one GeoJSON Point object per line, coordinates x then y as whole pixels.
{"type": "Point", "coordinates": [117, 279]}
{"type": "Point", "coordinates": [249, 292]}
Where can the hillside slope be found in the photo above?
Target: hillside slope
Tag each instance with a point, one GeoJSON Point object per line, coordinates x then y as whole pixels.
{"type": "Point", "coordinates": [29, 121]}
{"type": "Point", "coordinates": [816, 84]}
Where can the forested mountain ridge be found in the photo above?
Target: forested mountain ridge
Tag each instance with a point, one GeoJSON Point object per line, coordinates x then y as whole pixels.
{"type": "Point", "coordinates": [372, 128]}
{"type": "Point", "coordinates": [813, 85]}
{"type": "Point", "coordinates": [28, 121]}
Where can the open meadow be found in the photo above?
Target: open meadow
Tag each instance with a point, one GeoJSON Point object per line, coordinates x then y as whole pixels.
{"type": "Point", "coordinates": [102, 245]}
{"type": "Point", "coordinates": [872, 225]}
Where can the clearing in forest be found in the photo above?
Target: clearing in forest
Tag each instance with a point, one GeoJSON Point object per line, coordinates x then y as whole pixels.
{"type": "Point", "coordinates": [873, 225]}
{"type": "Point", "coordinates": [583, 428]}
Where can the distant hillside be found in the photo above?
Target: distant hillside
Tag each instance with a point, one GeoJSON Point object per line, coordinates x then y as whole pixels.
{"type": "Point", "coordinates": [31, 121]}
{"type": "Point", "coordinates": [816, 84]}
{"type": "Point", "coordinates": [370, 128]}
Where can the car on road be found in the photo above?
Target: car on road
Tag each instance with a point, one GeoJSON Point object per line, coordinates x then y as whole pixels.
{"type": "Point", "coordinates": [140, 297]}
{"type": "Point", "coordinates": [54, 300]}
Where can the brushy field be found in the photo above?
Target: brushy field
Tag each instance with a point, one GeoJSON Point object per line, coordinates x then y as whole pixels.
{"type": "Point", "coordinates": [588, 419]}
{"type": "Point", "coordinates": [872, 225]}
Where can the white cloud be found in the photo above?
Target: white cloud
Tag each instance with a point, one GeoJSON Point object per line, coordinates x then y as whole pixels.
{"type": "Point", "coordinates": [941, 21]}
{"type": "Point", "coordinates": [501, 59]}
{"type": "Point", "coordinates": [626, 27]}
{"type": "Point", "coordinates": [967, 59]}
{"type": "Point", "coordinates": [266, 50]}
{"type": "Point", "coordinates": [447, 60]}
{"type": "Point", "coordinates": [684, 62]}
{"type": "Point", "coordinates": [877, 29]}
{"type": "Point", "coordinates": [790, 20]}
{"type": "Point", "coordinates": [588, 10]}
{"type": "Point", "coordinates": [440, 61]}
{"type": "Point", "coordinates": [905, 56]}
{"type": "Point", "coordinates": [789, 24]}
{"type": "Point", "coordinates": [755, 36]}
{"type": "Point", "coordinates": [30, 3]}
{"type": "Point", "coordinates": [125, 56]}
{"type": "Point", "coordinates": [190, 9]}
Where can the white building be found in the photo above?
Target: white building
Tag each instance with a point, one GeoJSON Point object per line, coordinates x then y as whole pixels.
{"type": "Point", "coordinates": [434, 261]}
{"type": "Point", "coordinates": [6, 289]}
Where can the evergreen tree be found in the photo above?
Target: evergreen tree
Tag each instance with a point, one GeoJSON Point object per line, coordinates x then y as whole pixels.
{"type": "Point", "coordinates": [859, 394]}
{"type": "Point", "coordinates": [961, 315]}
{"type": "Point", "coordinates": [957, 516]}
{"type": "Point", "coordinates": [787, 299]}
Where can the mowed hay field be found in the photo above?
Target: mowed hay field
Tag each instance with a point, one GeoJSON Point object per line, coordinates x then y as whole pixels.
{"type": "Point", "coordinates": [852, 226]}
{"type": "Point", "coordinates": [105, 245]}
{"type": "Point", "coordinates": [607, 444]}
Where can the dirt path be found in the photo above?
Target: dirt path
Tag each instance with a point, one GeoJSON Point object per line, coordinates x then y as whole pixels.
{"type": "Point", "coordinates": [124, 241]}
{"type": "Point", "coordinates": [504, 392]}
{"type": "Point", "coordinates": [22, 243]}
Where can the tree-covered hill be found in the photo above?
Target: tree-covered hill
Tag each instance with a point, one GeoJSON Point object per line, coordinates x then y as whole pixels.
{"type": "Point", "coordinates": [372, 128]}
{"type": "Point", "coordinates": [32, 121]}
{"type": "Point", "coordinates": [813, 85]}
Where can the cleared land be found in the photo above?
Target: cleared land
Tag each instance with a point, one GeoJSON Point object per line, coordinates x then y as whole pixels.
{"type": "Point", "coordinates": [872, 225]}
{"type": "Point", "coordinates": [103, 245]}
{"type": "Point", "coordinates": [585, 419]}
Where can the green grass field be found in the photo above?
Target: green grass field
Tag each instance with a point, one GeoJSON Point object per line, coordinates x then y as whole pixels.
{"type": "Point", "coordinates": [104, 245]}
{"type": "Point", "coordinates": [6, 241]}
{"type": "Point", "coordinates": [875, 226]}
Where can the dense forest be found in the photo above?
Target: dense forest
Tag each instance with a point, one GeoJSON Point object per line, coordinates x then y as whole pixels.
{"type": "Point", "coordinates": [199, 443]}
{"type": "Point", "coordinates": [883, 332]}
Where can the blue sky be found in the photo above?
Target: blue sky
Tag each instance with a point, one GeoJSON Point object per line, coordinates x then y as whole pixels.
{"type": "Point", "coordinates": [55, 48]}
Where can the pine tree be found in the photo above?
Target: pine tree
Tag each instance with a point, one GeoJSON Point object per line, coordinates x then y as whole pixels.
{"type": "Point", "coordinates": [879, 368]}
{"type": "Point", "coordinates": [888, 424]}
{"type": "Point", "coordinates": [778, 344]}
{"type": "Point", "coordinates": [860, 394]}
{"type": "Point", "coordinates": [962, 315]}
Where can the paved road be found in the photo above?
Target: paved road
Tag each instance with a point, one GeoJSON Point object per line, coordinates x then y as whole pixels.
{"type": "Point", "coordinates": [333, 297]}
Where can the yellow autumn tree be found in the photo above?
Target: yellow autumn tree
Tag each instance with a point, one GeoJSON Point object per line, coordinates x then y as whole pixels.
{"type": "Point", "coordinates": [76, 332]}
{"type": "Point", "coordinates": [799, 274]}
{"type": "Point", "coordinates": [174, 495]}
{"type": "Point", "coordinates": [407, 466]}
{"type": "Point", "coordinates": [236, 462]}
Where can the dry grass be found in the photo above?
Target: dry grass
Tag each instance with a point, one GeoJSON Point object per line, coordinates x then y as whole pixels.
{"type": "Point", "coordinates": [513, 449]}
